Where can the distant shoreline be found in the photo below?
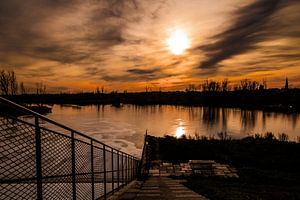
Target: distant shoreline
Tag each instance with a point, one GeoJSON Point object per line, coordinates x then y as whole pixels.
{"type": "Point", "coordinates": [284, 101]}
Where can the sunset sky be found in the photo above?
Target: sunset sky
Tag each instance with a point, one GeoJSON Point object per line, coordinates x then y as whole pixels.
{"type": "Point", "coordinates": [77, 45]}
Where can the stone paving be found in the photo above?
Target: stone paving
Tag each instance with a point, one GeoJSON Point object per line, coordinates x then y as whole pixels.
{"type": "Point", "coordinates": [196, 167]}
{"type": "Point", "coordinates": [160, 188]}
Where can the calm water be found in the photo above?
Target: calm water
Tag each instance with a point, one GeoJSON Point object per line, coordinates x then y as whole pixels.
{"type": "Point", "coordinates": [124, 127]}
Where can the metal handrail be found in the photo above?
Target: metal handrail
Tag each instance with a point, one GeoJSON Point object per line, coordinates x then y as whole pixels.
{"type": "Point", "coordinates": [128, 169]}
{"type": "Point", "coordinates": [11, 103]}
{"type": "Point", "coordinates": [143, 164]}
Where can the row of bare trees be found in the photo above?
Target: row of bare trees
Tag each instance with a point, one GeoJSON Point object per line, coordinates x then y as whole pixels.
{"type": "Point", "coordinates": [10, 86]}
{"type": "Point", "coordinates": [218, 86]}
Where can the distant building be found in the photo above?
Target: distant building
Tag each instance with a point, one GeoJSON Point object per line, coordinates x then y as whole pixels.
{"type": "Point", "coordinates": [286, 87]}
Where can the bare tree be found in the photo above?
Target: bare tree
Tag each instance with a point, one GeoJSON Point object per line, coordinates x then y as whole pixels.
{"type": "Point", "coordinates": [244, 84]}
{"type": "Point", "coordinates": [265, 83]}
{"type": "Point", "coordinates": [190, 88]}
{"type": "Point", "coordinates": [22, 88]}
{"type": "Point", "coordinates": [225, 85]}
{"type": "Point", "coordinates": [4, 82]}
{"type": "Point", "coordinates": [247, 84]}
{"type": "Point", "coordinates": [97, 90]}
{"type": "Point", "coordinates": [8, 82]}
{"type": "Point", "coordinates": [13, 83]}
{"type": "Point", "coordinates": [205, 85]}
{"type": "Point", "coordinates": [254, 85]}
{"type": "Point", "coordinates": [214, 86]}
{"type": "Point", "coordinates": [40, 88]}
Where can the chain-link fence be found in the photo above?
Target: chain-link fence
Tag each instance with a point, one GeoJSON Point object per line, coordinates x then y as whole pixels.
{"type": "Point", "coordinates": [39, 163]}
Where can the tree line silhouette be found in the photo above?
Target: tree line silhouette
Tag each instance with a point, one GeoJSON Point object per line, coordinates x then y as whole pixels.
{"type": "Point", "coordinates": [10, 86]}
{"type": "Point", "coordinates": [224, 86]}
{"type": "Point", "coordinates": [246, 94]}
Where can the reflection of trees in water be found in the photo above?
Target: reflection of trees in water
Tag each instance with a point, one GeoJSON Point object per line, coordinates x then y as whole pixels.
{"type": "Point", "coordinates": [290, 118]}
{"type": "Point", "coordinates": [293, 118]}
{"type": "Point", "coordinates": [213, 116]}
{"type": "Point", "coordinates": [100, 110]}
{"type": "Point", "coordinates": [264, 119]}
{"type": "Point", "coordinates": [248, 119]}
{"type": "Point", "coordinates": [149, 109]}
{"type": "Point", "coordinates": [225, 115]}
{"type": "Point", "coordinates": [193, 113]}
{"type": "Point", "coordinates": [100, 107]}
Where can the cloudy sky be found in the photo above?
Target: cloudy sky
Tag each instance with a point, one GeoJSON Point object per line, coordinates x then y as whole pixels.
{"type": "Point", "coordinates": [77, 45]}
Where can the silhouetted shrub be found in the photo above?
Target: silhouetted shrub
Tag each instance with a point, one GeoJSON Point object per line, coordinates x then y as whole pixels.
{"type": "Point", "coordinates": [283, 137]}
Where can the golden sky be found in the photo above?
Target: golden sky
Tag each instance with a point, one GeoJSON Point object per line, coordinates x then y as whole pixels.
{"type": "Point", "coordinates": [77, 45]}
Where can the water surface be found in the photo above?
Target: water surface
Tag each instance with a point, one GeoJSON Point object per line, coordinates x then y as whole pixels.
{"type": "Point", "coordinates": [124, 127]}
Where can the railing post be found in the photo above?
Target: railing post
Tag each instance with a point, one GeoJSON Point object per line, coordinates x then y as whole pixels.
{"type": "Point", "coordinates": [118, 169]}
{"type": "Point", "coordinates": [122, 161]}
{"type": "Point", "coordinates": [104, 171]}
{"type": "Point", "coordinates": [112, 171]}
{"type": "Point", "coordinates": [73, 166]}
{"type": "Point", "coordinates": [38, 157]}
{"type": "Point", "coordinates": [135, 168]}
{"type": "Point", "coordinates": [126, 168]}
{"type": "Point", "coordinates": [132, 168]}
{"type": "Point", "coordinates": [137, 162]}
{"type": "Point", "coordinates": [129, 171]}
{"type": "Point", "coordinates": [92, 170]}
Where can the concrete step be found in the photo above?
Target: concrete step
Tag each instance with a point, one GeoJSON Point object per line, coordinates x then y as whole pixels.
{"type": "Point", "coordinates": [161, 188]}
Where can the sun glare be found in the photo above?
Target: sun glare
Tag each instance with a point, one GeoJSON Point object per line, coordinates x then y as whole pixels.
{"type": "Point", "coordinates": [178, 42]}
{"type": "Point", "coordinates": [179, 131]}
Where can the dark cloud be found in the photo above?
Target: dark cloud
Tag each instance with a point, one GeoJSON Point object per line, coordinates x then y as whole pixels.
{"type": "Point", "coordinates": [251, 24]}
{"type": "Point", "coordinates": [207, 72]}
{"type": "Point", "coordinates": [136, 74]}
{"type": "Point", "coordinates": [44, 28]}
{"type": "Point", "coordinates": [143, 71]}
{"type": "Point", "coordinates": [287, 57]}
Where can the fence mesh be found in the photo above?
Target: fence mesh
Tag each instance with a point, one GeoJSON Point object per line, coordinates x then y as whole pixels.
{"type": "Point", "coordinates": [38, 163]}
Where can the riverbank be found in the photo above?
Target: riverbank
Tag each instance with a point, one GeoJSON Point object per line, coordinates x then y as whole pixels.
{"type": "Point", "coordinates": [267, 168]}
{"type": "Point", "coordinates": [41, 109]}
{"type": "Point", "coordinates": [273, 100]}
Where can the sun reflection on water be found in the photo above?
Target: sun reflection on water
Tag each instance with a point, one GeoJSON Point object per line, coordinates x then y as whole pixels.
{"type": "Point", "coordinates": [180, 131]}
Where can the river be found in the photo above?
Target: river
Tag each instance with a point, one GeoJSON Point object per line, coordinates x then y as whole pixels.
{"type": "Point", "coordinates": [124, 127]}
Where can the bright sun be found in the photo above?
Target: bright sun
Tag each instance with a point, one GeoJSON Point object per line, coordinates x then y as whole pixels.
{"type": "Point", "coordinates": [178, 42]}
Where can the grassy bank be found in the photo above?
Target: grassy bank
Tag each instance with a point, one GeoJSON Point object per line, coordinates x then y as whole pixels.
{"type": "Point", "coordinates": [268, 168]}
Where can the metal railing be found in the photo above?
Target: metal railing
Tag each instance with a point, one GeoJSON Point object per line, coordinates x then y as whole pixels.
{"type": "Point", "coordinates": [44, 163]}
{"type": "Point", "coordinates": [144, 167]}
